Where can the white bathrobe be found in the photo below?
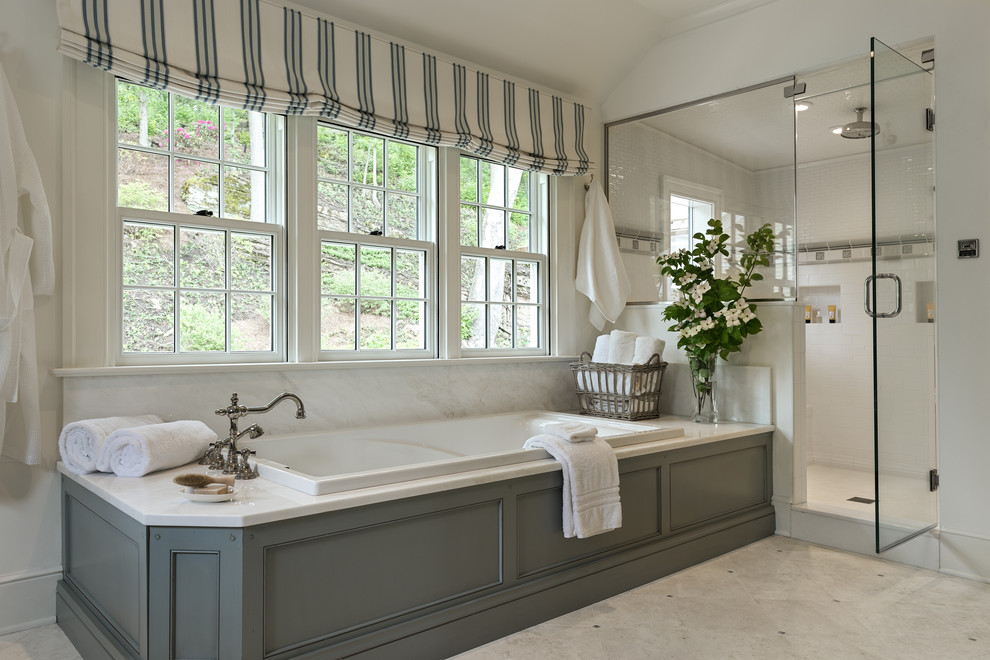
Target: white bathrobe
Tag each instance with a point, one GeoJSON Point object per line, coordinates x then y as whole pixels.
{"type": "Point", "coordinates": [27, 269]}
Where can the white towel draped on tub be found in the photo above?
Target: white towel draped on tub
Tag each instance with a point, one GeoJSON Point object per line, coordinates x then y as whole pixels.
{"type": "Point", "coordinates": [571, 431]}
{"type": "Point", "coordinates": [601, 274]}
{"type": "Point", "coordinates": [137, 451]}
{"type": "Point", "coordinates": [591, 484]}
{"type": "Point", "coordinates": [81, 443]}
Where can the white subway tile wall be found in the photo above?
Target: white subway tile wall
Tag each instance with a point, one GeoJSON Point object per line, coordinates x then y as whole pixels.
{"type": "Point", "coordinates": [834, 207]}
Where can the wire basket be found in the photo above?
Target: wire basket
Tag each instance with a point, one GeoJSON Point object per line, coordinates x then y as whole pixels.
{"type": "Point", "coordinates": [619, 391]}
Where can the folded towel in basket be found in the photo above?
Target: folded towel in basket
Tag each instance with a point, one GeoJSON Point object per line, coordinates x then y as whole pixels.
{"type": "Point", "coordinates": [571, 431]}
{"type": "Point", "coordinates": [81, 442]}
{"type": "Point", "coordinates": [591, 484]}
{"type": "Point", "coordinates": [137, 451]}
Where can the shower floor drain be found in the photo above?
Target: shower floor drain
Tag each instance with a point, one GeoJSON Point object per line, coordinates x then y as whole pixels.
{"type": "Point", "coordinates": [861, 500]}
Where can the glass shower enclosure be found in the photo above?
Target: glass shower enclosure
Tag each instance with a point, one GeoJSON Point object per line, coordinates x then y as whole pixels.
{"type": "Point", "coordinates": [899, 296]}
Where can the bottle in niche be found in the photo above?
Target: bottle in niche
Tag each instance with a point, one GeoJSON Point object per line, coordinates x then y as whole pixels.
{"type": "Point", "coordinates": [831, 313]}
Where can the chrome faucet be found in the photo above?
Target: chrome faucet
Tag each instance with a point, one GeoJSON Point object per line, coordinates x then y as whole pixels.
{"type": "Point", "coordinates": [236, 462]}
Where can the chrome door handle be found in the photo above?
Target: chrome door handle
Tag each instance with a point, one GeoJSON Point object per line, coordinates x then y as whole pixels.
{"type": "Point", "coordinates": [897, 296]}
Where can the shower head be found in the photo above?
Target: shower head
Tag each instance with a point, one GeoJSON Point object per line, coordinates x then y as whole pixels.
{"type": "Point", "coordinates": [859, 129]}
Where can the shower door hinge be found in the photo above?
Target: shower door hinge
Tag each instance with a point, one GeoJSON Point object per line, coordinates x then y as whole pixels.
{"type": "Point", "coordinates": [793, 90]}
{"type": "Point", "coordinates": [933, 480]}
{"type": "Point", "coordinates": [929, 119]}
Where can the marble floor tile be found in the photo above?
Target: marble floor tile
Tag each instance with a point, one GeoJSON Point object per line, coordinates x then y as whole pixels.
{"type": "Point", "coordinates": [776, 598]}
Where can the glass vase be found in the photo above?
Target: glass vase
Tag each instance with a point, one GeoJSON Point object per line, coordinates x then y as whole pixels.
{"type": "Point", "coordinates": [703, 382]}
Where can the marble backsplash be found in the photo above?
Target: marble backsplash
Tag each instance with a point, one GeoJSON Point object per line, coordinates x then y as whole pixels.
{"type": "Point", "coordinates": [350, 396]}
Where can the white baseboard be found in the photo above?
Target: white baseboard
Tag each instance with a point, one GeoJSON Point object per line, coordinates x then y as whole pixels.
{"type": "Point", "coordinates": [782, 513]}
{"type": "Point", "coordinates": [858, 535]}
{"type": "Point", "coordinates": [965, 555]}
{"type": "Point", "coordinates": [27, 599]}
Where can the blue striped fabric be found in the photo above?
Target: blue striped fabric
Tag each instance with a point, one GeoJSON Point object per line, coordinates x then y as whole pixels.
{"type": "Point", "coordinates": [401, 110]}
{"type": "Point", "coordinates": [205, 31]}
{"type": "Point", "coordinates": [509, 112]}
{"type": "Point", "coordinates": [584, 162]}
{"type": "Point", "coordinates": [558, 135]}
{"type": "Point", "coordinates": [213, 50]}
{"type": "Point", "coordinates": [325, 63]}
{"type": "Point", "coordinates": [536, 129]}
{"type": "Point", "coordinates": [153, 35]}
{"type": "Point", "coordinates": [254, 75]}
{"type": "Point", "coordinates": [99, 51]}
{"type": "Point", "coordinates": [293, 45]}
{"type": "Point", "coordinates": [431, 100]}
{"type": "Point", "coordinates": [486, 141]}
{"type": "Point", "coordinates": [461, 125]}
{"type": "Point", "coordinates": [365, 91]}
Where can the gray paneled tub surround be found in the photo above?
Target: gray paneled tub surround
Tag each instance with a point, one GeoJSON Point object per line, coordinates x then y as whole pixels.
{"type": "Point", "coordinates": [420, 569]}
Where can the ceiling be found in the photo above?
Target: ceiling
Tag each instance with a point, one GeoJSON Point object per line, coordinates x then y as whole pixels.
{"type": "Point", "coordinates": [755, 130]}
{"type": "Point", "coordinates": [581, 48]}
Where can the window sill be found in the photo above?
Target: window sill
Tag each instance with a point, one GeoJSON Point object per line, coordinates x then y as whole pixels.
{"type": "Point", "coordinates": [161, 369]}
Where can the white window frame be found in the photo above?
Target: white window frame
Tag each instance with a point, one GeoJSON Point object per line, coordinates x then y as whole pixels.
{"type": "Point", "coordinates": [427, 172]}
{"type": "Point", "coordinates": [540, 253]}
{"type": "Point", "coordinates": [92, 259]}
{"type": "Point", "coordinates": [275, 227]}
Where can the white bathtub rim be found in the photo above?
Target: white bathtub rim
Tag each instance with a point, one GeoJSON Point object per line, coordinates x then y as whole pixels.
{"type": "Point", "coordinates": [155, 500]}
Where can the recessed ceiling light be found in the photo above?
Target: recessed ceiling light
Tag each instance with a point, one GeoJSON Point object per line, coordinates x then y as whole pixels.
{"type": "Point", "coordinates": [801, 106]}
{"type": "Point", "coordinates": [836, 129]}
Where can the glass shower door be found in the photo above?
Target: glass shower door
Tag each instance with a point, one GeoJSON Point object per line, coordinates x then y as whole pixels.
{"type": "Point", "coordinates": [900, 296]}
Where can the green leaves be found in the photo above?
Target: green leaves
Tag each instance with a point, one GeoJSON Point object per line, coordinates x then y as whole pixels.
{"type": "Point", "coordinates": [711, 314]}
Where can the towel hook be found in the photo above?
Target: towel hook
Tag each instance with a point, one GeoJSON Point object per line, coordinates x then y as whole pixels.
{"type": "Point", "coordinates": [587, 186]}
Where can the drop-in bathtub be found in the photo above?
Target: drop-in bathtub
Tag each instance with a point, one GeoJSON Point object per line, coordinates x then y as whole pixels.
{"type": "Point", "coordinates": [360, 458]}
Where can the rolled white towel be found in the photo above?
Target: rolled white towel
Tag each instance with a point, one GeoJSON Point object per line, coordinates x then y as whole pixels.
{"type": "Point", "coordinates": [81, 443]}
{"type": "Point", "coordinates": [571, 431]}
{"type": "Point", "coordinates": [621, 347]}
{"type": "Point", "coordinates": [601, 349]}
{"type": "Point", "coordinates": [646, 347]}
{"type": "Point", "coordinates": [137, 451]}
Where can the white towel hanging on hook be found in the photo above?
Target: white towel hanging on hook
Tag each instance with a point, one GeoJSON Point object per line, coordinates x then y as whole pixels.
{"type": "Point", "coordinates": [601, 274]}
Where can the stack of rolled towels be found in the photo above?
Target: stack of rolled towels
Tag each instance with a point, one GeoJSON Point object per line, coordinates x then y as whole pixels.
{"type": "Point", "coordinates": [132, 446]}
{"type": "Point", "coordinates": [622, 347]}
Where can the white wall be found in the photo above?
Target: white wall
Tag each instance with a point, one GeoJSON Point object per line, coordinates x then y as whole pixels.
{"type": "Point", "coordinates": [803, 36]}
{"type": "Point", "coordinates": [30, 553]}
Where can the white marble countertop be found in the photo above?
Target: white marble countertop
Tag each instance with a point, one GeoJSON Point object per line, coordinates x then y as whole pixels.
{"type": "Point", "coordinates": [154, 500]}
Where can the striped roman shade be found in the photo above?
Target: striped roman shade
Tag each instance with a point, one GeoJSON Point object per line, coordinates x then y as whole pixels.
{"type": "Point", "coordinates": [264, 55]}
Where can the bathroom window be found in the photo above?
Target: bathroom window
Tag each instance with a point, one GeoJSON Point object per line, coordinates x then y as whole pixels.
{"type": "Point", "coordinates": [689, 207]}
{"type": "Point", "coordinates": [225, 255]}
{"type": "Point", "coordinates": [198, 192]}
{"type": "Point", "coordinates": [376, 226]}
{"type": "Point", "coordinates": [503, 263]}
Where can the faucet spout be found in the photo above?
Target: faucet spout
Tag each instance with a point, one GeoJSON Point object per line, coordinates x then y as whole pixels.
{"type": "Point", "coordinates": [300, 408]}
{"type": "Point", "coordinates": [236, 461]}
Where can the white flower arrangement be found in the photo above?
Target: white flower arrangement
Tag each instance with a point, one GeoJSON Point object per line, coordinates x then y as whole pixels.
{"type": "Point", "coordinates": [710, 313]}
